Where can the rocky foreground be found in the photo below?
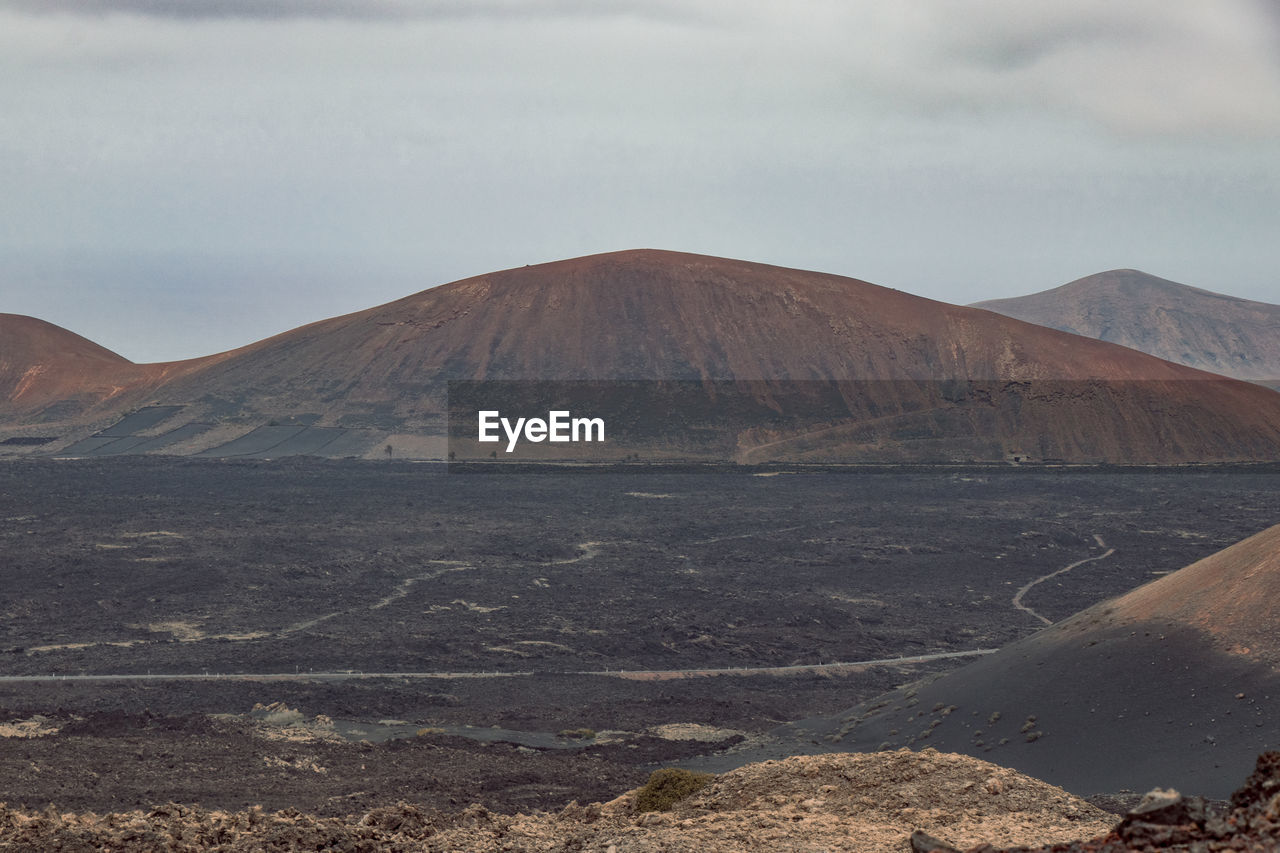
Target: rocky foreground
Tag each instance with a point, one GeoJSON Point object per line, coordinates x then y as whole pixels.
{"type": "Point", "coordinates": [892, 801]}
{"type": "Point", "coordinates": [845, 802]}
{"type": "Point", "coordinates": [1167, 821]}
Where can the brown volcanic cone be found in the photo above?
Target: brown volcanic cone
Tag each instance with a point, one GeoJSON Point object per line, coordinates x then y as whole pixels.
{"type": "Point", "coordinates": [1173, 684]}
{"type": "Point", "coordinates": [649, 314]}
{"type": "Point", "coordinates": [49, 375]}
{"type": "Point", "coordinates": [41, 363]}
{"type": "Point", "coordinates": [1210, 331]}
{"type": "Point", "coordinates": [664, 315]}
{"type": "Point", "coordinates": [931, 380]}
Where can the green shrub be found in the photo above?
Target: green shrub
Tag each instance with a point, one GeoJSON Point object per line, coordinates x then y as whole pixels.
{"type": "Point", "coordinates": [668, 786]}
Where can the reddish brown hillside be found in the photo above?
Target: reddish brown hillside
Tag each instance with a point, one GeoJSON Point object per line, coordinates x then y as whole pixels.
{"type": "Point", "coordinates": [41, 363]}
{"type": "Point", "coordinates": [52, 376]}
{"type": "Point", "coordinates": [1211, 331]}
{"type": "Point", "coordinates": [647, 314]}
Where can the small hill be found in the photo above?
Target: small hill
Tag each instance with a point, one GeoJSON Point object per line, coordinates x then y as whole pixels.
{"type": "Point", "coordinates": [41, 363]}
{"type": "Point", "coordinates": [1210, 331]}
{"type": "Point", "coordinates": [1172, 684]}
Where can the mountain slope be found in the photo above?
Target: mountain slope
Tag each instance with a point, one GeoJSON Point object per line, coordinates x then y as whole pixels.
{"type": "Point", "coordinates": [42, 364]}
{"type": "Point", "coordinates": [923, 379]}
{"type": "Point", "coordinates": [1210, 331]}
{"type": "Point", "coordinates": [1173, 683]}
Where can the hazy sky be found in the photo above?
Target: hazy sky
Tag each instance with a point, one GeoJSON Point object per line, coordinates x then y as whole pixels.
{"type": "Point", "coordinates": [179, 177]}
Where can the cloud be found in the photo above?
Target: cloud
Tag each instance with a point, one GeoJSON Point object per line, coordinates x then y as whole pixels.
{"type": "Point", "coordinates": [1139, 67]}
{"type": "Point", "coordinates": [375, 10]}
{"type": "Point", "coordinates": [1142, 67]}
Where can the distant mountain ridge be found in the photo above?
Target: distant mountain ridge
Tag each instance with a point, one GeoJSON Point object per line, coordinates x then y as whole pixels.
{"type": "Point", "coordinates": [934, 381]}
{"type": "Point", "coordinates": [1210, 331]}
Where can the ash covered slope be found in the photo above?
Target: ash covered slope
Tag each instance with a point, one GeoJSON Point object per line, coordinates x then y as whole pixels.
{"type": "Point", "coordinates": [1210, 331]}
{"type": "Point", "coordinates": [648, 314]}
{"type": "Point", "coordinates": [1176, 683]}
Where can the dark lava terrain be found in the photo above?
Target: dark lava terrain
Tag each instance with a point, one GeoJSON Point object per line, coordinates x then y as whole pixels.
{"type": "Point", "coordinates": [500, 599]}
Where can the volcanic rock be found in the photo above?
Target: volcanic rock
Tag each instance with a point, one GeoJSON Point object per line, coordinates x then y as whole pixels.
{"type": "Point", "coordinates": [867, 803]}
{"type": "Point", "coordinates": [1165, 821]}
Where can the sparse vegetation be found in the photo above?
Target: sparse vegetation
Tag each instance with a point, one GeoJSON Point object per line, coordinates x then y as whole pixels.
{"type": "Point", "coordinates": [578, 734]}
{"type": "Point", "coordinates": [994, 718]}
{"type": "Point", "coordinates": [668, 786]}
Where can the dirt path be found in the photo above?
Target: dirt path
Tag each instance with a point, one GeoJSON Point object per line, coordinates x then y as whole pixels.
{"type": "Point", "coordinates": [839, 667]}
{"type": "Point", "coordinates": [398, 592]}
{"type": "Point", "coordinates": [639, 675]}
{"type": "Point", "coordinates": [1017, 598]}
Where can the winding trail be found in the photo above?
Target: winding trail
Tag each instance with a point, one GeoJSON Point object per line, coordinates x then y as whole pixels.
{"type": "Point", "coordinates": [639, 675]}
{"type": "Point", "coordinates": [398, 592]}
{"type": "Point", "coordinates": [1017, 597]}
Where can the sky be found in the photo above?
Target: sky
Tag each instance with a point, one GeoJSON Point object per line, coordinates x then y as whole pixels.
{"type": "Point", "coordinates": [181, 177]}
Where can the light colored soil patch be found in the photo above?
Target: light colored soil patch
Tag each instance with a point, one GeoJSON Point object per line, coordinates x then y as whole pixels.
{"type": "Point", "coordinates": [507, 650]}
{"type": "Point", "coordinates": [190, 632]}
{"type": "Point", "coordinates": [543, 643]}
{"type": "Point", "coordinates": [65, 647]}
{"type": "Point", "coordinates": [153, 534]}
{"type": "Point", "coordinates": [36, 726]}
{"type": "Point", "coordinates": [184, 631]}
{"type": "Point", "coordinates": [110, 546]}
{"type": "Point", "coordinates": [693, 731]}
{"type": "Point", "coordinates": [300, 763]}
{"type": "Point", "coordinates": [476, 608]}
{"type": "Point", "coordinates": [846, 599]}
{"type": "Point", "coordinates": [650, 495]}
{"type": "Point", "coordinates": [410, 446]}
{"type": "Point", "coordinates": [278, 721]}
